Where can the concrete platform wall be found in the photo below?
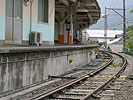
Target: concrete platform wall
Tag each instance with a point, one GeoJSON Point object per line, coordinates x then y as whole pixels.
{"type": "Point", "coordinates": [27, 68]}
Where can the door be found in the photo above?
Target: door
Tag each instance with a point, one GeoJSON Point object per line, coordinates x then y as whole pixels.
{"type": "Point", "coordinates": [13, 21]}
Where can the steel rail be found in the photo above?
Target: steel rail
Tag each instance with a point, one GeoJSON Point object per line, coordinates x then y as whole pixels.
{"type": "Point", "coordinates": [74, 81]}
{"type": "Point", "coordinates": [104, 85]}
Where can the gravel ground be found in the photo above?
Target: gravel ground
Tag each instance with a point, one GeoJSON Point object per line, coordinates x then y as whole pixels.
{"type": "Point", "coordinates": [126, 91]}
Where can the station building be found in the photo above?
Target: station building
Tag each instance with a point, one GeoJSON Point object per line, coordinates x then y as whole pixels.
{"type": "Point", "coordinates": [18, 18]}
{"type": "Point", "coordinates": [57, 21]}
{"type": "Point", "coordinates": [49, 22]}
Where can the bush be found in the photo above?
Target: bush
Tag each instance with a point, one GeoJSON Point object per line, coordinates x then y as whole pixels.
{"type": "Point", "coordinates": [129, 44]}
{"type": "Point", "coordinates": [90, 42]}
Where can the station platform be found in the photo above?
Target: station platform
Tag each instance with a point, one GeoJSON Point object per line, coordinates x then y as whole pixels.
{"type": "Point", "coordinates": [16, 49]}
{"type": "Point", "coordinates": [24, 67]}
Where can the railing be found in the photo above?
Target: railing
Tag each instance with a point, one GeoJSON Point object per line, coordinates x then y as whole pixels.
{"type": "Point", "coordinates": [128, 51]}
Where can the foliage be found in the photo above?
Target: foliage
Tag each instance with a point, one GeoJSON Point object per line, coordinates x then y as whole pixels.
{"type": "Point", "coordinates": [90, 42]}
{"type": "Point", "coordinates": [130, 32]}
{"type": "Point", "coordinates": [129, 44]}
{"type": "Point", "coordinates": [129, 28]}
{"type": "Point", "coordinates": [131, 11]}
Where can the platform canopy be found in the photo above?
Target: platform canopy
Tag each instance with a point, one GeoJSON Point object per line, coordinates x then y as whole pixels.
{"type": "Point", "coordinates": [82, 13]}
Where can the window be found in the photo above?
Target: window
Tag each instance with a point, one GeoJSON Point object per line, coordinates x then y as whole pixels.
{"type": "Point", "coordinates": [14, 8]}
{"type": "Point", "coordinates": [43, 10]}
{"type": "Point", "coordinates": [9, 8]}
{"type": "Point", "coordinates": [18, 9]}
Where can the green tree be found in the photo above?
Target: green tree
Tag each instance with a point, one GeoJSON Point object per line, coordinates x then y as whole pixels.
{"type": "Point", "coordinates": [129, 31]}
{"type": "Point", "coordinates": [90, 42]}
{"type": "Point", "coordinates": [131, 11]}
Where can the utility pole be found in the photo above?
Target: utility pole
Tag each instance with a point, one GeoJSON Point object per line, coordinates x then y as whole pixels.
{"type": "Point", "coordinates": [124, 22]}
{"type": "Point", "coordinates": [105, 28]}
{"type": "Point", "coordinates": [124, 25]}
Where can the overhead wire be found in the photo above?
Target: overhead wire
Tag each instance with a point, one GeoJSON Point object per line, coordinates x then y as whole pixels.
{"type": "Point", "coordinates": [118, 23]}
{"type": "Point", "coordinates": [128, 19]}
{"type": "Point", "coordinates": [113, 4]}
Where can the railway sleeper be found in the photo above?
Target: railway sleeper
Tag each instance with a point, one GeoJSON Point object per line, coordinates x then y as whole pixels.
{"type": "Point", "coordinates": [62, 77]}
{"type": "Point", "coordinates": [81, 90]}
{"type": "Point", "coordinates": [107, 94]}
{"type": "Point", "coordinates": [68, 97]}
{"type": "Point", "coordinates": [94, 96]}
{"type": "Point", "coordinates": [75, 93]}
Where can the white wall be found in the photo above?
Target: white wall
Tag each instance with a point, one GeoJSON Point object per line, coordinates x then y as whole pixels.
{"type": "Point", "coordinates": [51, 15]}
{"type": "Point", "coordinates": [2, 8]}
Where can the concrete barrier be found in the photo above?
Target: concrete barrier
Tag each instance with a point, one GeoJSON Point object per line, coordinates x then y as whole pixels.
{"type": "Point", "coordinates": [22, 67]}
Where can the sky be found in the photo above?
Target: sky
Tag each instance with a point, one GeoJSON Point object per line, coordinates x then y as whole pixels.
{"type": "Point", "coordinates": [114, 20]}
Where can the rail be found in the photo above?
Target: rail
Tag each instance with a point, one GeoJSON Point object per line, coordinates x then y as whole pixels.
{"type": "Point", "coordinates": [109, 80]}
{"type": "Point", "coordinates": [74, 81]}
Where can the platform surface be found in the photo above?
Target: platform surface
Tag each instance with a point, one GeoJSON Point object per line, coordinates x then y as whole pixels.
{"type": "Point", "coordinates": [14, 49]}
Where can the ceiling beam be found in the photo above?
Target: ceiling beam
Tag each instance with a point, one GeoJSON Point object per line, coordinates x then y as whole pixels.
{"type": "Point", "coordinates": [65, 2]}
{"type": "Point", "coordinates": [87, 4]}
{"type": "Point", "coordinates": [93, 14]}
{"type": "Point", "coordinates": [92, 10]}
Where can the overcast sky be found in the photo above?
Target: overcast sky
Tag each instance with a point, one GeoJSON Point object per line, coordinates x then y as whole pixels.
{"type": "Point", "coordinates": [114, 20]}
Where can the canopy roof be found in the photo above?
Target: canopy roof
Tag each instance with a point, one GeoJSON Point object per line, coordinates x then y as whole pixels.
{"type": "Point", "coordinates": [84, 12]}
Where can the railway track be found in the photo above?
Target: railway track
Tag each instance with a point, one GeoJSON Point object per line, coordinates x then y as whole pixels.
{"type": "Point", "coordinates": [89, 86]}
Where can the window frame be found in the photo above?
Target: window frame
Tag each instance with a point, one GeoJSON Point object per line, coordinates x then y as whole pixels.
{"type": "Point", "coordinates": [43, 12]}
{"type": "Point", "coordinates": [13, 12]}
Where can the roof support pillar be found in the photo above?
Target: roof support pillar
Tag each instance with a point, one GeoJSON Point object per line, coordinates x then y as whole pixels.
{"type": "Point", "coordinates": [61, 32]}
{"type": "Point", "coordinates": [61, 28]}
{"type": "Point", "coordinates": [69, 20]}
{"type": "Point", "coordinates": [80, 35]}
